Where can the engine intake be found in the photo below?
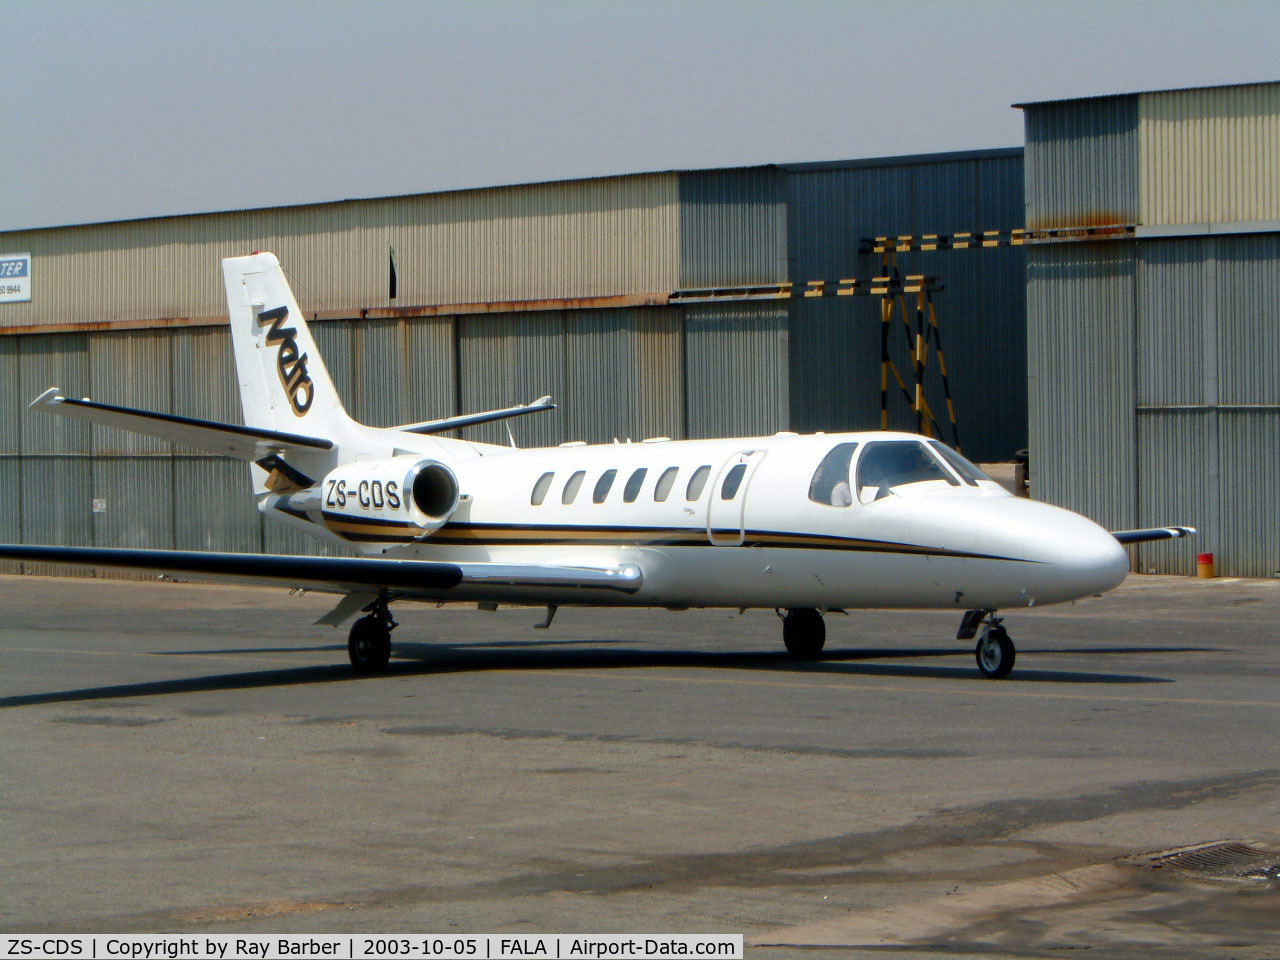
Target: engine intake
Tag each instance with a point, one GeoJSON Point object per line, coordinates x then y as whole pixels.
{"type": "Point", "coordinates": [394, 500]}
{"type": "Point", "coordinates": [434, 490]}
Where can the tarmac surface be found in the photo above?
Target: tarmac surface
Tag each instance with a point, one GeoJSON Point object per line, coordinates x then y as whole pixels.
{"type": "Point", "coordinates": [180, 757]}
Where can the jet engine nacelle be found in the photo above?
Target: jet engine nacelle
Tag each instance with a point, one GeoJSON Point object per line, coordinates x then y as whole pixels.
{"type": "Point", "coordinates": [377, 499]}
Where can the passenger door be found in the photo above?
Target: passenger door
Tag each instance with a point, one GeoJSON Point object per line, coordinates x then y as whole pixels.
{"type": "Point", "coordinates": [727, 498]}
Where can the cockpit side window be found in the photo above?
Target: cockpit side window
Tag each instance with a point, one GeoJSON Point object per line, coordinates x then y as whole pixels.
{"type": "Point", "coordinates": [830, 483]}
{"type": "Point", "coordinates": [960, 464]}
{"type": "Point", "coordinates": [886, 464]}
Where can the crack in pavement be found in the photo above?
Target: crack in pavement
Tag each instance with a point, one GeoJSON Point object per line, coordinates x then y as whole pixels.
{"type": "Point", "coordinates": [769, 867]}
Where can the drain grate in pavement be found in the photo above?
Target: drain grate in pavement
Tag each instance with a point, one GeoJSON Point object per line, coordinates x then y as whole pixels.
{"type": "Point", "coordinates": [1226, 861]}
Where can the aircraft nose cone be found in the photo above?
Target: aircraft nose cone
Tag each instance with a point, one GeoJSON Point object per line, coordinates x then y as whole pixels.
{"type": "Point", "coordinates": [1070, 555]}
{"type": "Point", "coordinates": [1099, 561]}
{"type": "Point", "coordinates": [1085, 559]}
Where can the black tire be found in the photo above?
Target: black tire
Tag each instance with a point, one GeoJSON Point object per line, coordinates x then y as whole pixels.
{"type": "Point", "coordinates": [369, 645]}
{"type": "Point", "coordinates": [995, 654]}
{"type": "Point", "coordinates": [804, 632]}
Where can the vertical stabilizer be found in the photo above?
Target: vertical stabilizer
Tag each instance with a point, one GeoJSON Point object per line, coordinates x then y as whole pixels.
{"type": "Point", "coordinates": [283, 381]}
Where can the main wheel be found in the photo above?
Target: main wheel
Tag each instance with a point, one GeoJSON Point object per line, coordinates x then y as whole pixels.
{"type": "Point", "coordinates": [804, 633]}
{"type": "Point", "coordinates": [369, 645]}
{"type": "Point", "coordinates": [995, 653]}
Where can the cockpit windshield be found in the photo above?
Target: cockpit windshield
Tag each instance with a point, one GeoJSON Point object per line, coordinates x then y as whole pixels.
{"type": "Point", "coordinates": [968, 471]}
{"type": "Point", "coordinates": [889, 464]}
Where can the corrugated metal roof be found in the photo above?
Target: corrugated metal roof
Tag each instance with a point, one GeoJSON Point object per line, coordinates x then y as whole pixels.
{"type": "Point", "coordinates": [316, 204]}
{"type": "Point", "coordinates": [1105, 96]}
{"type": "Point", "coordinates": [905, 160]}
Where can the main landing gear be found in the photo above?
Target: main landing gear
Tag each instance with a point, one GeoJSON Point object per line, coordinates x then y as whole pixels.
{"type": "Point", "coordinates": [803, 632]}
{"type": "Point", "coordinates": [994, 651]}
{"type": "Point", "coordinates": [369, 644]}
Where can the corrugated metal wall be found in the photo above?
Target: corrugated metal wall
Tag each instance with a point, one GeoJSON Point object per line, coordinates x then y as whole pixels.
{"type": "Point", "coordinates": [1082, 163]}
{"type": "Point", "coordinates": [1154, 392]}
{"type": "Point", "coordinates": [613, 236]}
{"type": "Point", "coordinates": [1176, 375]}
{"type": "Point", "coordinates": [1080, 333]}
{"type": "Point", "coordinates": [736, 363]}
{"type": "Point", "coordinates": [1248, 387]}
{"type": "Point", "coordinates": [733, 227]}
{"type": "Point", "coordinates": [1250, 458]}
{"type": "Point", "coordinates": [1209, 156]}
{"type": "Point", "coordinates": [1155, 364]}
{"type": "Point", "coordinates": [615, 374]}
{"type": "Point", "coordinates": [982, 311]}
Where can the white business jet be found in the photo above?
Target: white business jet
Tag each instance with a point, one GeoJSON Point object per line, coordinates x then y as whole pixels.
{"type": "Point", "coordinates": [801, 524]}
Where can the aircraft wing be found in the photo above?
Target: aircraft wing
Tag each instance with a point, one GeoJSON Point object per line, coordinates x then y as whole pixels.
{"type": "Point", "coordinates": [228, 439]}
{"type": "Point", "coordinates": [1153, 533]}
{"type": "Point", "coordinates": [422, 579]}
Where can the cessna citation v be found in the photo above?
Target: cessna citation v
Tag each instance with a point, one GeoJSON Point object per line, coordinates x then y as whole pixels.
{"type": "Point", "coordinates": [801, 524]}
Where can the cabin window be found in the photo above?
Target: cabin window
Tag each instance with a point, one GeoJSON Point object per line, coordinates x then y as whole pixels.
{"type": "Point", "coordinates": [540, 489]}
{"type": "Point", "coordinates": [830, 483]}
{"type": "Point", "coordinates": [603, 486]}
{"type": "Point", "coordinates": [732, 481]}
{"type": "Point", "coordinates": [886, 464]}
{"type": "Point", "coordinates": [697, 482]}
{"type": "Point", "coordinates": [572, 486]}
{"type": "Point", "coordinates": [662, 489]}
{"type": "Point", "coordinates": [969, 472]}
{"type": "Point", "coordinates": [634, 483]}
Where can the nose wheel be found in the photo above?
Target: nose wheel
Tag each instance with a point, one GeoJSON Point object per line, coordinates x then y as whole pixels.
{"type": "Point", "coordinates": [995, 652]}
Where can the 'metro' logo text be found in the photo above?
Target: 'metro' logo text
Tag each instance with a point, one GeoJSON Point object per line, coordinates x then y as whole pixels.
{"type": "Point", "coordinates": [291, 366]}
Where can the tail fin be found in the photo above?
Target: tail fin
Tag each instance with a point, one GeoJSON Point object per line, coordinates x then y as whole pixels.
{"type": "Point", "coordinates": [283, 381]}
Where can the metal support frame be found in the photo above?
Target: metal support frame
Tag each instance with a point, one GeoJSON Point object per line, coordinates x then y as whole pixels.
{"type": "Point", "coordinates": [921, 328]}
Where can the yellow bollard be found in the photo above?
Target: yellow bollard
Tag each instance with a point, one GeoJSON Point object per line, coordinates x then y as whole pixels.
{"type": "Point", "coordinates": [1204, 566]}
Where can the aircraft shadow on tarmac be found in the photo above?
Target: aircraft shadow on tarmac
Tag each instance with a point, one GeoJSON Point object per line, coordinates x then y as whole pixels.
{"type": "Point", "coordinates": [598, 654]}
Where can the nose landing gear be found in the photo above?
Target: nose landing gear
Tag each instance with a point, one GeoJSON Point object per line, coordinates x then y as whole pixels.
{"type": "Point", "coordinates": [994, 652]}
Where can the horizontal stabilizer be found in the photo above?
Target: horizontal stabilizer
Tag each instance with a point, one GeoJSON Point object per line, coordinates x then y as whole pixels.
{"type": "Point", "coordinates": [227, 439]}
{"type": "Point", "coordinates": [471, 419]}
{"type": "Point", "coordinates": [424, 579]}
{"type": "Point", "coordinates": [1153, 533]}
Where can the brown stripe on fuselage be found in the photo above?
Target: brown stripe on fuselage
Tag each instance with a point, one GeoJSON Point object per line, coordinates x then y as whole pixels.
{"type": "Point", "coordinates": [467, 534]}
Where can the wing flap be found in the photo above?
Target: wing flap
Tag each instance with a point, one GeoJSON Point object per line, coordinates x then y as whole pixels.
{"type": "Point", "coordinates": [227, 439]}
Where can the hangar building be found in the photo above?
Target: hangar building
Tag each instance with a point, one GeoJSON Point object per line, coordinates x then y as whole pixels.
{"type": "Point", "coordinates": [646, 305]}
{"type": "Point", "coordinates": [1153, 345]}
{"type": "Point", "coordinates": [654, 305]}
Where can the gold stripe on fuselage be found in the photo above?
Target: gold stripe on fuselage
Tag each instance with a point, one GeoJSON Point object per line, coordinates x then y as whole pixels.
{"type": "Point", "coordinates": [458, 534]}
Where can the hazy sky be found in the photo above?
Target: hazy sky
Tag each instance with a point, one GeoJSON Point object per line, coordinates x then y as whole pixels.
{"type": "Point", "coordinates": [115, 110]}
